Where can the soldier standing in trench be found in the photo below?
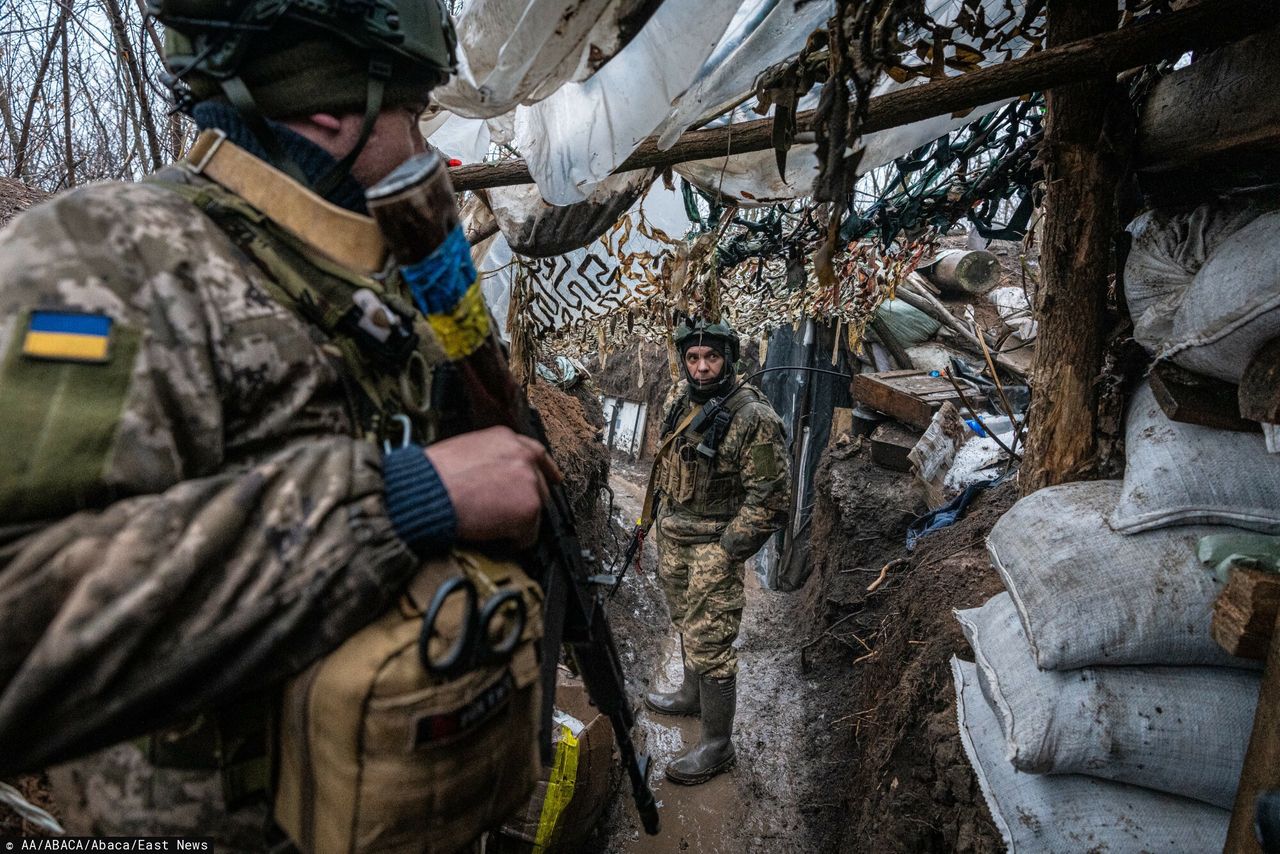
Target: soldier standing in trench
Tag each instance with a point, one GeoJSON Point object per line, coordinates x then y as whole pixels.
{"type": "Point", "coordinates": [724, 487]}
{"type": "Point", "coordinates": [204, 378]}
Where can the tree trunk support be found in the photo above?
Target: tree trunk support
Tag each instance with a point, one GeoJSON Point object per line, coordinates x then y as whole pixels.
{"type": "Point", "coordinates": [1085, 159]}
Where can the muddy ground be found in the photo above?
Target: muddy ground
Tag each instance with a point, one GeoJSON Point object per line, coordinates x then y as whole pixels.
{"type": "Point", "coordinates": [846, 730]}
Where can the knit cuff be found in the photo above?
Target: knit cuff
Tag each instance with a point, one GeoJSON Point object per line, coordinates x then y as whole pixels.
{"type": "Point", "coordinates": [417, 502]}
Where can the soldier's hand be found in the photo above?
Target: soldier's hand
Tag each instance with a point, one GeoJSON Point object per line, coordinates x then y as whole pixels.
{"type": "Point", "coordinates": [497, 480]}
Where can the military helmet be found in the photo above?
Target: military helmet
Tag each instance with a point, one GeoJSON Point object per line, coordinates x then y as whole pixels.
{"type": "Point", "coordinates": [692, 331]}
{"type": "Point", "coordinates": [276, 58]}
{"type": "Point", "coordinates": [216, 37]}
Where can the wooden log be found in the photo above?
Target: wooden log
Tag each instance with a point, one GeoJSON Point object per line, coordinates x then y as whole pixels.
{"type": "Point", "coordinates": [1216, 118]}
{"type": "Point", "coordinates": [1194, 399]}
{"type": "Point", "coordinates": [965, 271]}
{"type": "Point", "coordinates": [914, 293]}
{"type": "Point", "coordinates": [1085, 154]}
{"type": "Point", "coordinates": [1259, 394]}
{"type": "Point", "coordinates": [1245, 613]}
{"type": "Point", "coordinates": [1161, 37]}
{"type": "Point", "coordinates": [1262, 760]}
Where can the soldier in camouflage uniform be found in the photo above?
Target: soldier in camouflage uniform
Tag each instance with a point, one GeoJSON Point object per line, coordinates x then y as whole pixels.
{"type": "Point", "coordinates": [195, 499]}
{"type": "Point", "coordinates": [724, 488]}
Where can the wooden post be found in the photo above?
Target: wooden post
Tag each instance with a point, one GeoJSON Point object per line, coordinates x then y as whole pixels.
{"type": "Point", "coordinates": [1262, 761]}
{"type": "Point", "coordinates": [1084, 162]}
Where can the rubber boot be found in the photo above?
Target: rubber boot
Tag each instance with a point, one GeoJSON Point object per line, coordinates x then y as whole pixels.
{"type": "Point", "coordinates": [683, 700]}
{"type": "Point", "coordinates": [713, 754]}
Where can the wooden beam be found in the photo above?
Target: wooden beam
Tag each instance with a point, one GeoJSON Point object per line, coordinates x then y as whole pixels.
{"type": "Point", "coordinates": [1084, 154]}
{"type": "Point", "coordinates": [1164, 37]}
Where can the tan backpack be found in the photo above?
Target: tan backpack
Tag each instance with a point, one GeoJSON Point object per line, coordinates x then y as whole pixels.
{"type": "Point", "coordinates": [377, 754]}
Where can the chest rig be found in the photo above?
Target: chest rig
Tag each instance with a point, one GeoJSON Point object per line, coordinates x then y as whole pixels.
{"type": "Point", "coordinates": [694, 473]}
{"type": "Point", "coordinates": [399, 383]}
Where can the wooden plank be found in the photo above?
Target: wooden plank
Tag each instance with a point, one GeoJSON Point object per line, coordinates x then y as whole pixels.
{"type": "Point", "coordinates": [1262, 761]}
{"type": "Point", "coordinates": [890, 444]}
{"type": "Point", "coordinates": [1156, 37]}
{"type": "Point", "coordinates": [1259, 395]}
{"type": "Point", "coordinates": [1195, 399]}
{"type": "Point", "coordinates": [841, 425]}
{"type": "Point", "coordinates": [1245, 613]}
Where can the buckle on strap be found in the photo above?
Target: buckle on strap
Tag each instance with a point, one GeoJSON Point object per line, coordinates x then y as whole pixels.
{"type": "Point", "coordinates": [204, 148]}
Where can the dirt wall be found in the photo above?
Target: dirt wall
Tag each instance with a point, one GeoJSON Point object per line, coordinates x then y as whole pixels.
{"type": "Point", "coordinates": [898, 767]}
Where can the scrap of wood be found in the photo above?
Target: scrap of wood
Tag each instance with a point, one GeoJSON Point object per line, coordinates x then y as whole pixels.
{"type": "Point", "coordinates": [1245, 613]}
{"type": "Point", "coordinates": [1195, 399]}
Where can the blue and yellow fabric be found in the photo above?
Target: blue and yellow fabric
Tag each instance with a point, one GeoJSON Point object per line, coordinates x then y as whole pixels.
{"type": "Point", "coordinates": [446, 289]}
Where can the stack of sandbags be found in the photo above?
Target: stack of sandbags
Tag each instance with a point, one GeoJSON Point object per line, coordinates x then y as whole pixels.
{"type": "Point", "coordinates": [1203, 287]}
{"type": "Point", "coordinates": [1112, 719]}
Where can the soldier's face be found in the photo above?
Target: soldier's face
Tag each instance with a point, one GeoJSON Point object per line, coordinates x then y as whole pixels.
{"type": "Point", "coordinates": [703, 364]}
{"type": "Point", "coordinates": [394, 139]}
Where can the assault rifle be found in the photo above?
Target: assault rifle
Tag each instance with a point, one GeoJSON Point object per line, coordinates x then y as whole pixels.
{"type": "Point", "coordinates": [416, 211]}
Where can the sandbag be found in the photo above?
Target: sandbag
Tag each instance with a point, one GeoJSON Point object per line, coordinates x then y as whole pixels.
{"type": "Point", "coordinates": [537, 229]}
{"type": "Point", "coordinates": [1182, 730]}
{"type": "Point", "coordinates": [1185, 474]}
{"type": "Point", "coordinates": [1233, 305]}
{"type": "Point", "coordinates": [1168, 250]}
{"type": "Point", "coordinates": [1089, 595]}
{"type": "Point", "coordinates": [1071, 812]}
{"type": "Point", "coordinates": [908, 324]}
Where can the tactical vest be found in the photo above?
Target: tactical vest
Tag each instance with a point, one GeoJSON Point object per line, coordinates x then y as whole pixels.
{"type": "Point", "coordinates": [699, 485]}
{"type": "Point", "coordinates": [365, 750]}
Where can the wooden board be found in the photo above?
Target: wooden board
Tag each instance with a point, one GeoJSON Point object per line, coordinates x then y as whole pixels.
{"type": "Point", "coordinates": [1245, 612]}
{"type": "Point", "coordinates": [910, 396]}
{"type": "Point", "coordinates": [1195, 399]}
{"type": "Point", "coordinates": [890, 445]}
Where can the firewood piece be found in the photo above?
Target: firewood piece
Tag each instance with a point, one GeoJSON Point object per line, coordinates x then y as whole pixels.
{"type": "Point", "coordinates": [1259, 394]}
{"type": "Point", "coordinates": [1195, 399]}
{"type": "Point", "coordinates": [1245, 613]}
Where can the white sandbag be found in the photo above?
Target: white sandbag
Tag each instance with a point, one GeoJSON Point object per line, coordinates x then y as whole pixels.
{"type": "Point", "coordinates": [1063, 813]}
{"type": "Point", "coordinates": [1015, 311]}
{"type": "Point", "coordinates": [1185, 474]}
{"type": "Point", "coordinates": [1182, 730]}
{"type": "Point", "coordinates": [1168, 250]}
{"type": "Point", "coordinates": [1089, 595]}
{"type": "Point", "coordinates": [1233, 305]}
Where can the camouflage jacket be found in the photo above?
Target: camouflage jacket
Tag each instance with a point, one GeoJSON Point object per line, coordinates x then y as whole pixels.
{"type": "Point", "coordinates": [739, 498]}
{"type": "Point", "coordinates": [186, 517]}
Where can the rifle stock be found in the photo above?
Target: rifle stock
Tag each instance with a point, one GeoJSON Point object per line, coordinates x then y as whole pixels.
{"type": "Point", "coordinates": [415, 209]}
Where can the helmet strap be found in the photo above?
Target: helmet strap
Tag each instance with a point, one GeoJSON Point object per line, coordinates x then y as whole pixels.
{"type": "Point", "coordinates": [238, 94]}
{"type": "Point", "coordinates": [379, 74]}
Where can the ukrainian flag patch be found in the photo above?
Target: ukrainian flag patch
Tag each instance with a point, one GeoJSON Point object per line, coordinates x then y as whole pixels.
{"type": "Point", "coordinates": [65, 336]}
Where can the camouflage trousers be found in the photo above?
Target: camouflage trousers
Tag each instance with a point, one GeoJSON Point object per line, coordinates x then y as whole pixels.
{"type": "Point", "coordinates": [704, 591]}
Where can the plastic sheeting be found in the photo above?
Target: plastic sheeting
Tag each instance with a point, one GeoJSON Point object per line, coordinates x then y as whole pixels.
{"type": "Point", "coordinates": [536, 229]}
{"type": "Point", "coordinates": [510, 51]}
{"type": "Point", "coordinates": [577, 136]}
